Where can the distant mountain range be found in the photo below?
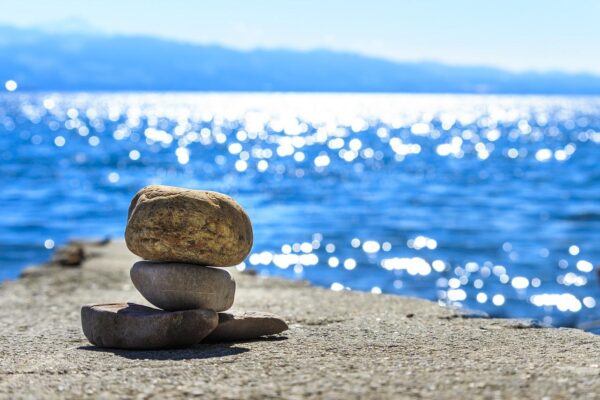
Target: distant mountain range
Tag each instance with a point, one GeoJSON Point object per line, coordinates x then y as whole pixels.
{"type": "Point", "coordinates": [41, 61]}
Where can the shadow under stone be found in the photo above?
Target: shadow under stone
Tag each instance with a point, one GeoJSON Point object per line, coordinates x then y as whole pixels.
{"type": "Point", "coordinates": [198, 352]}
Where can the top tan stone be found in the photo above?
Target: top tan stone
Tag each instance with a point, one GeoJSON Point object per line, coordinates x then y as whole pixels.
{"type": "Point", "coordinates": [167, 223]}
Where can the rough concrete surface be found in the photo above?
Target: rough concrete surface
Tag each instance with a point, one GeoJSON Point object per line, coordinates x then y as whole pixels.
{"type": "Point", "coordinates": [340, 345]}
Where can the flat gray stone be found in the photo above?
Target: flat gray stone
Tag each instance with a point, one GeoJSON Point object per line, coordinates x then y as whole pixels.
{"type": "Point", "coordinates": [175, 286]}
{"type": "Point", "coordinates": [136, 327]}
{"type": "Point", "coordinates": [246, 325]}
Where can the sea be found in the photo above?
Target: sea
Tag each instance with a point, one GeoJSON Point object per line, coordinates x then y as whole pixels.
{"type": "Point", "coordinates": [488, 203]}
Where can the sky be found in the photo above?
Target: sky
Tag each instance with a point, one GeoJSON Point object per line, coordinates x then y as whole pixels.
{"type": "Point", "coordinates": [519, 35]}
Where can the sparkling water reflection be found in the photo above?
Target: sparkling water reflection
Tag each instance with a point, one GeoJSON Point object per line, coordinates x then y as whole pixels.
{"type": "Point", "coordinates": [486, 202]}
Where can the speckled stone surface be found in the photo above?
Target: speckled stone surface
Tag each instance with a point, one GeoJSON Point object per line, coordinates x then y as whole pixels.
{"type": "Point", "coordinates": [340, 345]}
{"type": "Point", "coordinates": [176, 286]}
{"type": "Point", "coordinates": [167, 223]}
{"type": "Point", "coordinates": [246, 325]}
{"type": "Point", "coordinates": [136, 327]}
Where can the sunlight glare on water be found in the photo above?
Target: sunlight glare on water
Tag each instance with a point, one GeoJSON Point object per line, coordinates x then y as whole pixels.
{"type": "Point", "coordinates": [491, 203]}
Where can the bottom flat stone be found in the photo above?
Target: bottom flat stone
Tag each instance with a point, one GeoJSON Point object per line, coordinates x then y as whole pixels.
{"type": "Point", "coordinates": [246, 325]}
{"type": "Point", "coordinates": [133, 326]}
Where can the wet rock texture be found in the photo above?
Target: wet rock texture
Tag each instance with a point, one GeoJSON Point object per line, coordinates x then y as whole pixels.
{"type": "Point", "coordinates": [176, 286]}
{"type": "Point", "coordinates": [190, 226]}
{"type": "Point", "coordinates": [133, 326]}
{"type": "Point", "coordinates": [246, 325]}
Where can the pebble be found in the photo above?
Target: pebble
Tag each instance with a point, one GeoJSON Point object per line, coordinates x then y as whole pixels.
{"type": "Point", "coordinates": [176, 286]}
{"type": "Point", "coordinates": [190, 226]}
{"type": "Point", "coordinates": [246, 325]}
{"type": "Point", "coordinates": [71, 255]}
{"type": "Point", "coordinates": [133, 326]}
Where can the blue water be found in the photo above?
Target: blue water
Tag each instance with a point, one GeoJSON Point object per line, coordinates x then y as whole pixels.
{"type": "Point", "coordinates": [490, 203]}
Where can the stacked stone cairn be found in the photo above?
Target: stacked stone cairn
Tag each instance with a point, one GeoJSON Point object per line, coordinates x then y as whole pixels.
{"type": "Point", "coordinates": [187, 236]}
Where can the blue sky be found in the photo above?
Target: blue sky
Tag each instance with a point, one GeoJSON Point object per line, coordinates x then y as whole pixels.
{"type": "Point", "coordinates": [519, 35]}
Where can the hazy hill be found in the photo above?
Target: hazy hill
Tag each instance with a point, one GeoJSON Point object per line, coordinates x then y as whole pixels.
{"type": "Point", "coordinates": [75, 61]}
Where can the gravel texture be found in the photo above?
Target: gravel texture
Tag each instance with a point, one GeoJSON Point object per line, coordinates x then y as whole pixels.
{"type": "Point", "coordinates": [340, 345]}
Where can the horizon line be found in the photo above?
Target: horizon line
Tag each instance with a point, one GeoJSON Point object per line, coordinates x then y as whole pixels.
{"type": "Point", "coordinates": [95, 32]}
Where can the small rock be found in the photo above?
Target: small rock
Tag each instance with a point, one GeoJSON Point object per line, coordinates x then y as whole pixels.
{"type": "Point", "coordinates": [133, 326]}
{"type": "Point", "coordinates": [249, 272]}
{"type": "Point", "coordinates": [191, 226]}
{"type": "Point", "coordinates": [71, 255]}
{"type": "Point", "coordinates": [246, 325]}
{"type": "Point", "coordinates": [175, 286]}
